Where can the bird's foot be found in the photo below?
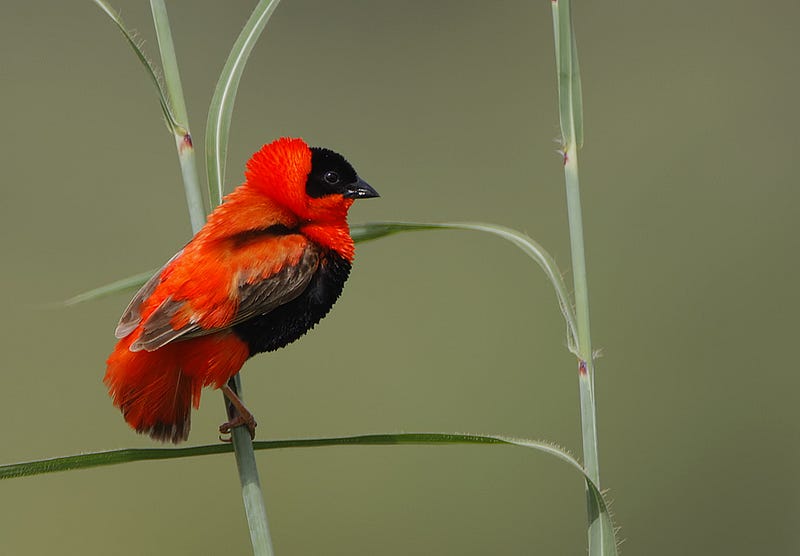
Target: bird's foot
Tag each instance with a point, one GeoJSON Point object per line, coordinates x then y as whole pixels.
{"type": "Point", "coordinates": [243, 415]}
{"type": "Point", "coordinates": [249, 421]}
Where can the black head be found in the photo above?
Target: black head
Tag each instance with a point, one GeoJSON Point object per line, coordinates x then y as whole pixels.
{"type": "Point", "coordinates": [331, 174]}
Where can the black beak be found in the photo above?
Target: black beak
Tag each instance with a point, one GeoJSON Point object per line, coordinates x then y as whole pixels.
{"type": "Point", "coordinates": [360, 190]}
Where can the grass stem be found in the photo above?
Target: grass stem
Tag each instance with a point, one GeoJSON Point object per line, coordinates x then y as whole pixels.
{"type": "Point", "coordinates": [571, 117]}
{"type": "Point", "coordinates": [183, 138]}
{"type": "Point", "coordinates": [255, 509]}
{"type": "Point", "coordinates": [585, 359]}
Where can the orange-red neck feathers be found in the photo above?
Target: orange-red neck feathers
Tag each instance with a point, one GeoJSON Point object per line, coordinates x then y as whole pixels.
{"type": "Point", "coordinates": [278, 173]}
{"type": "Point", "coordinates": [275, 193]}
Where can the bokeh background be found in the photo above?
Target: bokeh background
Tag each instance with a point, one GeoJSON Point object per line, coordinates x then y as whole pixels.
{"type": "Point", "coordinates": [448, 108]}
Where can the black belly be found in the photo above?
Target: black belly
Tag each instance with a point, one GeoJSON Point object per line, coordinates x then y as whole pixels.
{"type": "Point", "coordinates": [285, 324]}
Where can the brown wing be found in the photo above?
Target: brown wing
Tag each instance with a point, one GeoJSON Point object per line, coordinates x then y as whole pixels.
{"type": "Point", "coordinates": [132, 316]}
{"type": "Point", "coordinates": [254, 295]}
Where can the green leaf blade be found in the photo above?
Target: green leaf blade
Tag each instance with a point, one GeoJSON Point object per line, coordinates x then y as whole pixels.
{"type": "Point", "coordinates": [570, 95]}
{"type": "Point", "coordinates": [221, 109]}
{"type": "Point", "coordinates": [125, 284]}
{"type": "Point", "coordinates": [183, 139]}
{"type": "Point", "coordinates": [602, 526]}
{"type": "Point", "coordinates": [377, 230]}
{"type": "Point", "coordinates": [172, 122]}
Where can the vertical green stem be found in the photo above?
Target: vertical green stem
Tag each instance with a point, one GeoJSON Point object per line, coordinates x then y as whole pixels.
{"type": "Point", "coordinates": [255, 509]}
{"type": "Point", "coordinates": [183, 139]}
{"type": "Point", "coordinates": [571, 117]}
{"type": "Point", "coordinates": [586, 362]}
{"type": "Point", "coordinates": [169, 61]}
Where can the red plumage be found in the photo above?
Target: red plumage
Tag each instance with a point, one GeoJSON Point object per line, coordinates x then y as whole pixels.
{"type": "Point", "coordinates": [267, 265]}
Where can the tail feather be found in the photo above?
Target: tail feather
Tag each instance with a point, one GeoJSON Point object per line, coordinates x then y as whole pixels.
{"type": "Point", "coordinates": [155, 390]}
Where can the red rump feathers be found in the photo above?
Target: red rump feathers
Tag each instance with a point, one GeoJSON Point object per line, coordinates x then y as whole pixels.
{"type": "Point", "coordinates": [156, 390]}
{"type": "Point", "coordinates": [267, 266]}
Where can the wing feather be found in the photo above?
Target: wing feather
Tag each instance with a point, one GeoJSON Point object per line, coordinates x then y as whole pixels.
{"type": "Point", "coordinates": [132, 317]}
{"type": "Point", "coordinates": [255, 289]}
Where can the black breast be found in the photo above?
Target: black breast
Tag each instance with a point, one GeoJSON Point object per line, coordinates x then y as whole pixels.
{"type": "Point", "coordinates": [288, 322]}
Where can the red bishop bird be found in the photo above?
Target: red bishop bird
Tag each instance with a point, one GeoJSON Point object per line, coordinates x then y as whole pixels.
{"type": "Point", "coordinates": [266, 267]}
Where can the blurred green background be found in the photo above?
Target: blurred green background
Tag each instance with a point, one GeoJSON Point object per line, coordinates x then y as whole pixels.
{"type": "Point", "coordinates": [448, 108]}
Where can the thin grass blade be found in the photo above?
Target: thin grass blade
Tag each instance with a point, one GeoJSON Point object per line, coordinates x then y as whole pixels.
{"type": "Point", "coordinates": [570, 96]}
{"type": "Point", "coordinates": [221, 109]}
{"type": "Point", "coordinates": [366, 232]}
{"type": "Point", "coordinates": [170, 99]}
{"type": "Point", "coordinates": [172, 121]}
{"type": "Point", "coordinates": [375, 230]}
{"type": "Point", "coordinates": [577, 93]}
{"type": "Point", "coordinates": [183, 137]}
{"type": "Point", "coordinates": [169, 60]}
{"type": "Point", "coordinates": [126, 284]}
{"type": "Point", "coordinates": [603, 521]}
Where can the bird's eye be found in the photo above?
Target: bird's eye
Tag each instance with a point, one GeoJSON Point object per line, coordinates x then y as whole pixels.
{"type": "Point", "coordinates": [331, 178]}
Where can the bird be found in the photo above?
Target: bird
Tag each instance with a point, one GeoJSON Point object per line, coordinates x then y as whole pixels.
{"type": "Point", "coordinates": [267, 266]}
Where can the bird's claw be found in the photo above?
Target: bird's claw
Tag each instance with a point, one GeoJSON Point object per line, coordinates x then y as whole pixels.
{"type": "Point", "coordinates": [248, 421]}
